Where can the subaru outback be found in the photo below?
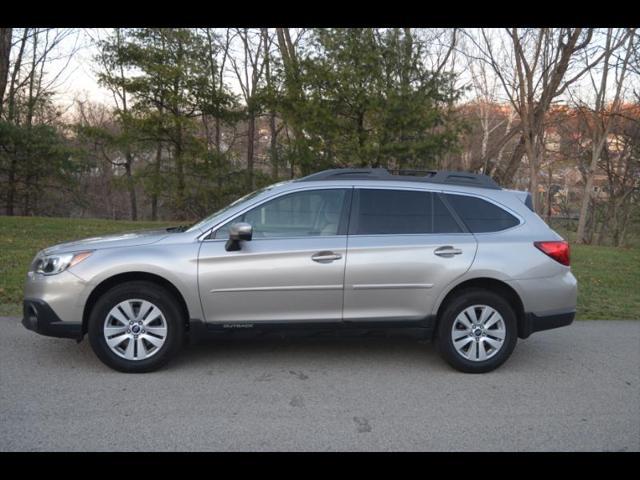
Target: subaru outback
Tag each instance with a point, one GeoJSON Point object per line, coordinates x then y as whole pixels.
{"type": "Point", "coordinates": [449, 255]}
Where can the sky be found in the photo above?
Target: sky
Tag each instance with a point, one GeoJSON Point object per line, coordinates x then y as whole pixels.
{"type": "Point", "coordinates": [80, 80]}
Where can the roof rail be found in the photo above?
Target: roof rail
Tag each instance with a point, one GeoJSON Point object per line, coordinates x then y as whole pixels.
{"type": "Point", "coordinates": [430, 176]}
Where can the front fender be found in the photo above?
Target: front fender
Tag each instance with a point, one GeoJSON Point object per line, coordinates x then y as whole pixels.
{"type": "Point", "coordinates": [177, 264]}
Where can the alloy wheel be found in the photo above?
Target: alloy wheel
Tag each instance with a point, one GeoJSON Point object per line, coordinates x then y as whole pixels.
{"type": "Point", "coordinates": [478, 333]}
{"type": "Point", "coordinates": [135, 329]}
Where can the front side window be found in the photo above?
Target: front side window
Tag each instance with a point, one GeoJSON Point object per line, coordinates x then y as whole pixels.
{"type": "Point", "coordinates": [299, 214]}
{"type": "Point", "coordinates": [481, 216]}
{"type": "Point", "coordinates": [383, 212]}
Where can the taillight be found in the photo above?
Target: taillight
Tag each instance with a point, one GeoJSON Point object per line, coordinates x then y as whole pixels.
{"type": "Point", "coordinates": [558, 250]}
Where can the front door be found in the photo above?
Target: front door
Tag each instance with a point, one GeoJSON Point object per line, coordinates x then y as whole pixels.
{"type": "Point", "coordinates": [405, 247]}
{"type": "Point", "coordinates": [293, 268]}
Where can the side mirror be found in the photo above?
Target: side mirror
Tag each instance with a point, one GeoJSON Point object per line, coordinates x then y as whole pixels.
{"type": "Point", "coordinates": [237, 232]}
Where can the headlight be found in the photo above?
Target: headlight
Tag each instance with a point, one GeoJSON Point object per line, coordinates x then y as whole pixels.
{"type": "Point", "coordinates": [53, 264]}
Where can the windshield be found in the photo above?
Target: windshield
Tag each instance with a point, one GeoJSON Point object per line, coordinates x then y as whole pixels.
{"type": "Point", "coordinates": [233, 204]}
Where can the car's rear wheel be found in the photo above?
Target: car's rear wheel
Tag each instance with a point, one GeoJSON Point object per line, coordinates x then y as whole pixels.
{"type": "Point", "coordinates": [136, 327]}
{"type": "Point", "coordinates": [477, 331]}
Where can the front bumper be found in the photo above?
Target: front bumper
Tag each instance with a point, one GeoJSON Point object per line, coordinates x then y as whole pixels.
{"type": "Point", "coordinates": [54, 304]}
{"type": "Point", "coordinates": [39, 317]}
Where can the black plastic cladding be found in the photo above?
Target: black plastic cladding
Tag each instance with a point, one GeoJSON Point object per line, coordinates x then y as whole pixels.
{"type": "Point", "coordinates": [441, 177]}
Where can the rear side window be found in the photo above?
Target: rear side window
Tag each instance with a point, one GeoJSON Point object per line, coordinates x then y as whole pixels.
{"type": "Point", "coordinates": [481, 216]}
{"type": "Point", "coordinates": [382, 212]}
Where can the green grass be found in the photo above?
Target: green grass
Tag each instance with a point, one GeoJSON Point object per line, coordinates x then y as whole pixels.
{"type": "Point", "coordinates": [609, 278]}
{"type": "Point", "coordinates": [608, 282]}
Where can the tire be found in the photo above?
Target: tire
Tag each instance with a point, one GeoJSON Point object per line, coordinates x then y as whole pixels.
{"type": "Point", "coordinates": [155, 336]}
{"type": "Point", "coordinates": [478, 349]}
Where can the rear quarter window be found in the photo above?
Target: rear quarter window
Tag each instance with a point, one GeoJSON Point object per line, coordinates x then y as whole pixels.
{"type": "Point", "coordinates": [481, 216]}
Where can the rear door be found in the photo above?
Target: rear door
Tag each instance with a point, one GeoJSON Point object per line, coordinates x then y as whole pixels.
{"type": "Point", "coordinates": [404, 248]}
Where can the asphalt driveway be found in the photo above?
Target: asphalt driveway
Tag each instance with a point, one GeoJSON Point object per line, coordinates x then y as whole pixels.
{"type": "Point", "coordinates": [574, 388]}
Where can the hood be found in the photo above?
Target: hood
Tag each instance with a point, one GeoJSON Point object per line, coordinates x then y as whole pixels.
{"type": "Point", "coordinates": [129, 239]}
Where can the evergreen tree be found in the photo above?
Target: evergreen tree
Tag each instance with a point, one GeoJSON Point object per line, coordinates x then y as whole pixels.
{"type": "Point", "coordinates": [369, 100]}
{"type": "Point", "coordinates": [173, 81]}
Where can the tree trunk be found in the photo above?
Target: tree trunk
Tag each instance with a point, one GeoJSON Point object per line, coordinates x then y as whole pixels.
{"type": "Point", "coordinates": [533, 185]}
{"type": "Point", "coordinates": [131, 186]}
{"type": "Point", "coordinates": [593, 222]}
{"type": "Point", "coordinates": [549, 196]}
{"type": "Point", "coordinates": [293, 90]}
{"type": "Point", "coordinates": [11, 101]}
{"type": "Point", "coordinates": [531, 144]}
{"type": "Point", "coordinates": [505, 177]}
{"type": "Point", "coordinates": [11, 187]}
{"type": "Point", "coordinates": [588, 188]}
{"type": "Point", "coordinates": [13, 164]}
{"type": "Point", "coordinates": [5, 54]}
{"type": "Point", "coordinates": [502, 147]}
{"type": "Point", "coordinates": [218, 135]}
{"type": "Point", "coordinates": [154, 194]}
{"type": "Point", "coordinates": [626, 213]}
{"type": "Point", "coordinates": [274, 146]}
{"type": "Point", "coordinates": [28, 166]}
{"type": "Point", "coordinates": [180, 198]}
{"type": "Point", "coordinates": [484, 122]}
{"type": "Point", "coordinates": [251, 132]}
{"type": "Point", "coordinates": [361, 138]}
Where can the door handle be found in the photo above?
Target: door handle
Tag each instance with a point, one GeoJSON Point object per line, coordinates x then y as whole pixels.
{"type": "Point", "coordinates": [325, 257]}
{"type": "Point", "coordinates": [447, 251]}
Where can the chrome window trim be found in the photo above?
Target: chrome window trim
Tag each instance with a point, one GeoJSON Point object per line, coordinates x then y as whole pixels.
{"type": "Point", "coordinates": [281, 238]}
{"type": "Point", "coordinates": [410, 234]}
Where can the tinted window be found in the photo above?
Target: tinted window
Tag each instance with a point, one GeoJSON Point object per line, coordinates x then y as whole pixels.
{"type": "Point", "coordinates": [481, 216]}
{"type": "Point", "coordinates": [401, 212]}
{"type": "Point", "coordinates": [300, 214]}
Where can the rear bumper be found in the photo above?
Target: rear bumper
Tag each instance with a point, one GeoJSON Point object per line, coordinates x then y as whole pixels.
{"type": "Point", "coordinates": [532, 323]}
{"type": "Point", "coordinates": [39, 317]}
{"type": "Point", "coordinates": [548, 295]}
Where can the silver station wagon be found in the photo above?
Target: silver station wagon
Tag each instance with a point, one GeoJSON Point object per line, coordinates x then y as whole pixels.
{"type": "Point", "coordinates": [449, 255]}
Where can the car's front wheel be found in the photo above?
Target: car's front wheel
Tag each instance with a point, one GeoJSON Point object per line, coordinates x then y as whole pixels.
{"type": "Point", "coordinates": [477, 331]}
{"type": "Point", "coordinates": [136, 327]}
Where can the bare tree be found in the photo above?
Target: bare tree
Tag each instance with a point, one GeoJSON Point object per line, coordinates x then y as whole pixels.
{"type": "Point", "coordinates": [534, 66]}
{"type": "Point", "coordinates": [218, 52]}
{"type": "Point", "coordinates": [440, 46]}
{"type": "Point", "coordinates": [485, 102]}
{"type": "Point", "coordinates": [114, 78]}
{"type": "Point", "coordinates": [268, 60]}
{"type": "Point", "coordinates": [288, 47]}
{"type": "Point", "coordinates": [30, 87]}
{"type": "Point", "coordinates": [249, 68]}
{"type": "Point", "coordinates": [5, 54]}
{"type": "Point", "coordinates": [599, 117]}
